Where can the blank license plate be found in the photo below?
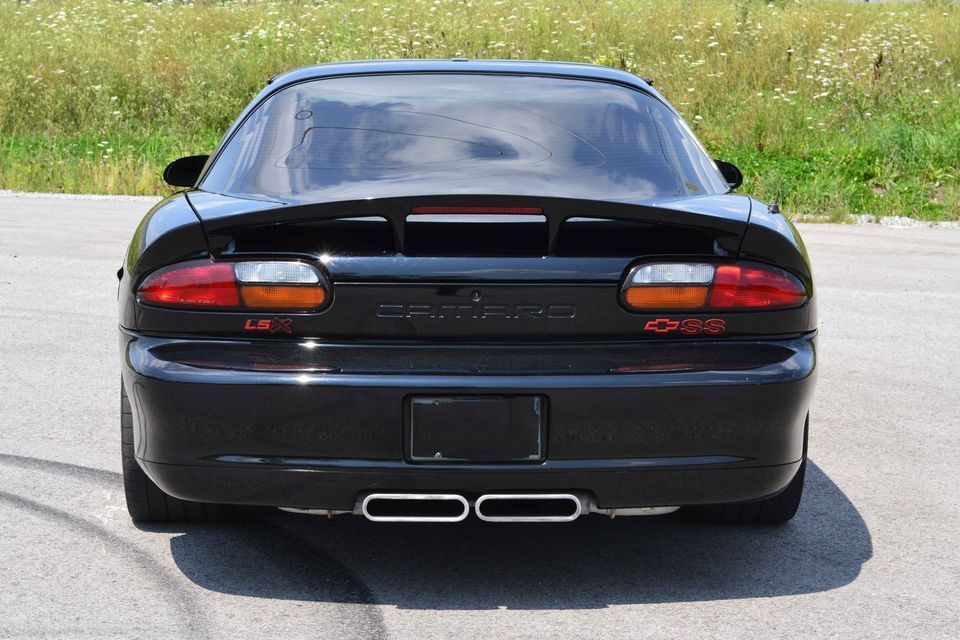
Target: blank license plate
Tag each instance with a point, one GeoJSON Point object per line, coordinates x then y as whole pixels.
{"type": "Point", "coordinates": [475, 428]}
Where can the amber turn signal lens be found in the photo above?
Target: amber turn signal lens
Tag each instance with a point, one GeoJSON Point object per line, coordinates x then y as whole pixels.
{"type": "Point", "coordinates": [283, 297]}
{"type": "Point", "coordinates": [666, 297]}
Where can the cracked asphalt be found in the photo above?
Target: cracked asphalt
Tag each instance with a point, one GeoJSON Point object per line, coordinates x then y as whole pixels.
{"type": "Point", "coordinates": [871, 554]}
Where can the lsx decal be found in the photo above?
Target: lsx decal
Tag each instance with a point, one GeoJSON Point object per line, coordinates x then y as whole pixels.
{"type": "Point", "coordinates": [275, 325]}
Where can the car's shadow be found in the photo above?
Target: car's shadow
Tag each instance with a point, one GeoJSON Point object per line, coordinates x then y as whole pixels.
{"type": "Point", "coordinates": [594, 562]}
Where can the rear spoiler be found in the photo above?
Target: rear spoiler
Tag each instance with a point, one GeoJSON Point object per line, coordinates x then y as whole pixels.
{"type": "Point", "coordinates": [724, 216]}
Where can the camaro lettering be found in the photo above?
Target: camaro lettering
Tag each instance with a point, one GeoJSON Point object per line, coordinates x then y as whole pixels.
{"type": "Point", "coordinates": [458, 311]}
{"type": "Point", "coordinates": [689, 326]}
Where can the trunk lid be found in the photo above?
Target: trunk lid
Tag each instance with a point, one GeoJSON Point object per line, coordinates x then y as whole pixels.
{"type": "Point", "coordinates": [468, 276]}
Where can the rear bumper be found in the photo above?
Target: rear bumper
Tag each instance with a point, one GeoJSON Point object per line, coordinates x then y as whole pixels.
{"type": "Point", "coordinates": [316, 425]}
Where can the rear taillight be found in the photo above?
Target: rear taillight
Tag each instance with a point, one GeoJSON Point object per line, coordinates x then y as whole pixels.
{"type": "Point", "coordinates": [280, 285]}
{"type": "Point", "coordinates": [691, 286]}
{"type": "Point", "coordinates": [192, 284]}
{"type": "Point", "coordinates": [739, 286]}
{"type": "Point", "coordinates": [268, 286]}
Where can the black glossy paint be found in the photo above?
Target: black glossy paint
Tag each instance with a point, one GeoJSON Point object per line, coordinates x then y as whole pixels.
{"type": "Point", "coordinates": [736, 407]}
{"type": "Point", "coordinates": [724, 217]}
{"type": "Point", "coordinates": [170, 232]}
{"type": "Point", "coordinates": [315, 417]}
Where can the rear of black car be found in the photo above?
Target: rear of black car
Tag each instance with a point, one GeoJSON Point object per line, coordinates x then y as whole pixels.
{"type": "Point", "coordinates": [376, 291]}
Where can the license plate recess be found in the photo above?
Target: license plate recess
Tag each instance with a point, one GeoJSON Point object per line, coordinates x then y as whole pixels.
{"type": "Point", "coordinates": [482, 428]}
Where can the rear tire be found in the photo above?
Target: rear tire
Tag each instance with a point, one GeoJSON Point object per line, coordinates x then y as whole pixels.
{"type": "Point", "coordinates": [146, 502]}
{"type": "Point", "coordinates": [773, 510]}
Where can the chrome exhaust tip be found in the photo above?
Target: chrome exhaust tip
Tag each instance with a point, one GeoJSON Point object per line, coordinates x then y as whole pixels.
{"type": "Point", "coordinates": [528, 507]}
{"type": "Point", "coordinates": [415, 507]}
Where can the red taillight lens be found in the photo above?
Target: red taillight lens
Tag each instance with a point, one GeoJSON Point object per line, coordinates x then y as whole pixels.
{"type": "Point", "coordinates": [693, 286]}
{"type": "Point", "coordinates": [263, 286]}
{"type": "Point", "coordinates": [741, 287]}
{"type": "Point", "coordinates": [199, 284]}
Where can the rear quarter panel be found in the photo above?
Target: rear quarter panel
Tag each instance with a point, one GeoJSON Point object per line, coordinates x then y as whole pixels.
{"type": "Point", "coordinates": [169, 232]}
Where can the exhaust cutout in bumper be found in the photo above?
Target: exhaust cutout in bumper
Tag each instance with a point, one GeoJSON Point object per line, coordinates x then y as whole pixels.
{"type": "Point", "coordinates": [415, 507]}
{"type": "Point", "coordinates": [517, 507]}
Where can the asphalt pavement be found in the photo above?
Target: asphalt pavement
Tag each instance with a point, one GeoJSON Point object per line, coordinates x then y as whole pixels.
{"type": "Point", "coordinates": [873, 552]}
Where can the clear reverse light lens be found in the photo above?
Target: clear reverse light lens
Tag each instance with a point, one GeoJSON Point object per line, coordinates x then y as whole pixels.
{"type": "Point", "coordinates": [276, 273]}
{"type": "Point", "coordinates": [674, 274]}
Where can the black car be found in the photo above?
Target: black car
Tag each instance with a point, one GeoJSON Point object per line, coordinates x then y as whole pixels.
{"type": "Point", "coordinates": [416, 289]}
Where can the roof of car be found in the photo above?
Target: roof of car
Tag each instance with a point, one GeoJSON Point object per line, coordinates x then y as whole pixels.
{"type": "Point", "coordinates": [461, 65]}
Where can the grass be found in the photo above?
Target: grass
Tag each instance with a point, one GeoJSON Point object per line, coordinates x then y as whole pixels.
{"type": "Point", "coordinates": [829, 108]}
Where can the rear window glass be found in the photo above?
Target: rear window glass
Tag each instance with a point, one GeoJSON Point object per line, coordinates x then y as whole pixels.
{"type": "Point", "coordinates": [393, 135]}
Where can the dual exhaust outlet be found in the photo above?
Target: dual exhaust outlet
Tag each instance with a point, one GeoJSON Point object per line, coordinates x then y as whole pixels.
{"type": "Point", "coordinates": [491, 507]}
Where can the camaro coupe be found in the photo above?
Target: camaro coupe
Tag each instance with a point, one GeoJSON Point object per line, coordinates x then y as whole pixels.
{"type": "Point", "coordinates": [413, 290]}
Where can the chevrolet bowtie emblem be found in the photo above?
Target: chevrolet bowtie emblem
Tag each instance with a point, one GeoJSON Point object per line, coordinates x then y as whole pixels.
{"type": "Point", "coordinates": [661, 325]}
